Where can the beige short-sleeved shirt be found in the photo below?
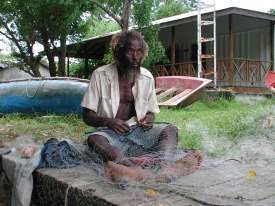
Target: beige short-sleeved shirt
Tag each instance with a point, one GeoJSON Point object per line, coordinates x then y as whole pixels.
{"type": "Point", "coordinates": [102, 95]}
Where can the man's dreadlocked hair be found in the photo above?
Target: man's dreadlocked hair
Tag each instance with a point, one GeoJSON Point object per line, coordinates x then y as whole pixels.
{"type": "Point", "coordinates": [121, 40]}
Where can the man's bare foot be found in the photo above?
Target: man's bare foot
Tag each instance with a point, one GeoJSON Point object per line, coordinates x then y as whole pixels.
{"type": "Point", "coordinates": [185, 166]}
{"type": "Point", "coordinates": [116, 173]}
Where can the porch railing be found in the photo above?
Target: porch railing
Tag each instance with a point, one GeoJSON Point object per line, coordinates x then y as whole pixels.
{"type": "Point", "coordinates": [234, 72]}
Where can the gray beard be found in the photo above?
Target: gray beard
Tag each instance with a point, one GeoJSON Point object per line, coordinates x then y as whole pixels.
{"type": "Point", "coordinates": [131, 74]}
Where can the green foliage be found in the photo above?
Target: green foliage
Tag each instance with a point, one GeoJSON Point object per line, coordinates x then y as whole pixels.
{"type": "Point", "coordinates": [6, 58]}
{"type": "Point", "coordinates": [108, 56]}
{"type": "Point", "coordinates": [156, 50]}
{"type": "Point", "coordinates": [171, 8]}
{"type": "Point", "coordinates": [142, 17]}
{"type": "Point", "coordinates": [77, 69]}
{"type": "Point", "coordinates": [46, 22]}
{"type": "Point", "coordinates": [191, 3]}
{"type": "Point", "coordinates": [99, 27]}
{"type": "Point", "coordinates": [142, 11]}
{"type": "Point", "coordinates": [272, 11]}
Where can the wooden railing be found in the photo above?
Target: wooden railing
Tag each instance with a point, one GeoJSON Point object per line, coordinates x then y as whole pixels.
{"type": "Point", "coordinates": [237, 72]}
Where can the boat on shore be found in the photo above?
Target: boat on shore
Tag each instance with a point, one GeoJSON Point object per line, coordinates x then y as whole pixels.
{"type": "Point", "coordinates": [177, 91]}
{"type": "Point", "coordinates": [42, 95]}
{"type": "Point", "coordinates": [270, 81]}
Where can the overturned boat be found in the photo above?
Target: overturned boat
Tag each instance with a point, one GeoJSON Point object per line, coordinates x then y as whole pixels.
{"type": "Point", "coordinates": [42, 95]}
{"type": "Point", "coordinates": [173, 91]}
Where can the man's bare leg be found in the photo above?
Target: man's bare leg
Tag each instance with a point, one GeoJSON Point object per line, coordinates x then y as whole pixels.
{"type": "Point", "coordinates": [165, 149]}
{"type": "Point", "coordinates": [107, 151]}
{"type": "Point", "coordinates": [168, 141]}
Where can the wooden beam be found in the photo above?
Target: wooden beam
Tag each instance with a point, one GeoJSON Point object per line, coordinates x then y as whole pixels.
{"type": "Point", "coordinates": [68, 66]}
{"type": "Point", "coordinates": [173, 46]}
{"type": "Point", "coordinates": [86, 68]}
{"type": "Point", "coordinates": [174, 101]}
{"type": "Point", "coordinates": [166, 93]}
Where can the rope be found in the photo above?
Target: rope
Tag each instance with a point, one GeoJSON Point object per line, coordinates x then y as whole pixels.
{"type": "Point", "coordinates": [40, 85]}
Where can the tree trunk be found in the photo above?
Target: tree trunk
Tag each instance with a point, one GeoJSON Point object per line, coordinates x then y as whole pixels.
{"type": "Point", "coordinates": [62, 56]}
{"type": "Point", "coordinates": [27, 56]}
{"type": "Point", "coordinates": [35, 70]}
{"type": "Point", "coordinates": [48, 51]}
{"type": "Point", "coordinates": [126, 14]}
{"type": "Point", "coordinates": [50, 57]}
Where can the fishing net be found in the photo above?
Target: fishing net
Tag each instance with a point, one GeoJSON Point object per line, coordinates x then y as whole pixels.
{"type": "Point", "coordinates": [244, 174]}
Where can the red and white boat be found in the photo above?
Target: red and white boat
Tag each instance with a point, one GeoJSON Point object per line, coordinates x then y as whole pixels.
{"type": "Point", "coordinates": [270, 81]}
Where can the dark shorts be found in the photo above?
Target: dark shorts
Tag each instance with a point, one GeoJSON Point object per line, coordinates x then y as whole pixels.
{"type": "Point", "coordinates": [135, 142]}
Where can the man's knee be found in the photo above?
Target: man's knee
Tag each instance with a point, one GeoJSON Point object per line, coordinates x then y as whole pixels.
{"type": "Point", "coordinates": [170, 132]}
{"type": "Point", "coordinates": [94, 140]}
{"type": "Point", "coordinates": [171, 129]}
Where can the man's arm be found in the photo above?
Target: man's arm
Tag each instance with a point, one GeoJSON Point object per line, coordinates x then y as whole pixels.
{"type": "Point", "coordinates": [92, 119]}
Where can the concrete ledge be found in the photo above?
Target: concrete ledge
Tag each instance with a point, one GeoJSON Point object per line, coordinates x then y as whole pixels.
{"type": "Point", "coordinates": [67, 187]}
{"type": "Point", "coordinates": [82, 186]}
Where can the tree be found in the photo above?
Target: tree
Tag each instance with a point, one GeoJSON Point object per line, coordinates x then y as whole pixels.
{"type": "Point", "coordinates": [14, 27]}
{"type": "Point", "coordinates": [119, 11]}
{"type": "Point", "coordinates": [272, 11]}
{"type": "Point", "coordinates": [141, 11]}
{"type": "Point", "coordinates": [166, 8]}
{"type": "Point", "coordinates": [171, 8]}
{"type": "Point", "coordinates": [59, 22]}
{"type": "Point", "coordinates": [99, 26]}
{"type": "Point", "coordinates": [51, 23]}
{"type": "Point", "coordinates": [142, 16]}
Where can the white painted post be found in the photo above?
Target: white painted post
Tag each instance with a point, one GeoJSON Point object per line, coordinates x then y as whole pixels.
{"type": "Point", "coordinates": [215, 45]}
{"type": "Point", "coordinates": [199, 38]}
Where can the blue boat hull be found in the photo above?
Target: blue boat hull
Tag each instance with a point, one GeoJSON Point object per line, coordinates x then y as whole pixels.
{"type": "Point", "coordinates": [46, 96]}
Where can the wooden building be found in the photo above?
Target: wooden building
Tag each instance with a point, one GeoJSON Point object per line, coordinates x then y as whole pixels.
{"type": "Point", "coordinates": [245, 47]}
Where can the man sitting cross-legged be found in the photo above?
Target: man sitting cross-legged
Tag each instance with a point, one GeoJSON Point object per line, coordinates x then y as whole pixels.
{"type": "Point", "coordinates": [121, 103]}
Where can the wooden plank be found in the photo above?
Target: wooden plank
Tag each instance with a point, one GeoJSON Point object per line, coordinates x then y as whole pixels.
{"type": "Point", "coordinates": [166, 93]}
{"type": "Point", "coordinates": [176, 99]}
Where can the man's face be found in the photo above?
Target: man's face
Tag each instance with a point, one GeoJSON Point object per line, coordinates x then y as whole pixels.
{"type": "Point", "coordinates": [132, 57]}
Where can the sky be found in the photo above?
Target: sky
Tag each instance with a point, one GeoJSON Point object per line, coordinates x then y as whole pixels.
{"type": "Point", "coordinates": [257, 5]}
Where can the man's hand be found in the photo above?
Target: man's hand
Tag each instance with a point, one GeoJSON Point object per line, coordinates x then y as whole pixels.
{"type": "Point", "coordinates": [119, 126]}
{"type": "Point", "coordinates": [147, 121]}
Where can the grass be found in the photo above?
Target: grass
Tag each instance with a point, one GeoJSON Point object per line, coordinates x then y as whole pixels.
{"type": "Point", "coordinates": [43, 127]}
{"type": "Point", "coordinates": [213, 126]}
{"type": "Point", "coordinates": [208, 125]}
